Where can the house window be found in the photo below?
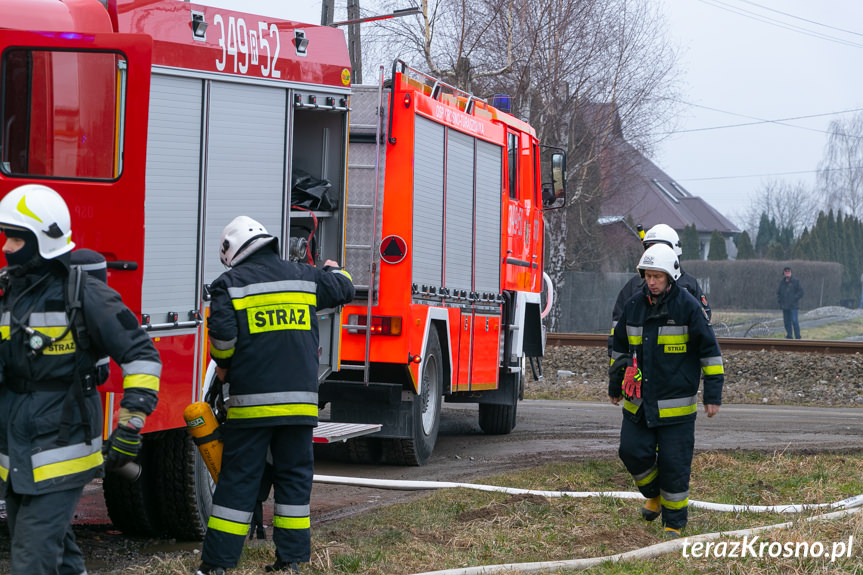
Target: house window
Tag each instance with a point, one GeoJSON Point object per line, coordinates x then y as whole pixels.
{"type": "Point", "coordinates": [666, 192]}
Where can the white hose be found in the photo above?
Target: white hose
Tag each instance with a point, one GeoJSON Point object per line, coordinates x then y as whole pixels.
{"type": "Point", "coordinates": [846, 507]}
{"type": "Point", "coordinates": [639, 554]}
{"type": "Point", "coordinates": [848, 503]}
{"type": "Point", "coordinates": [549, 300]}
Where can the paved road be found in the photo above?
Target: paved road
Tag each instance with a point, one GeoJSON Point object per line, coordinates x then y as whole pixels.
{"type": "Point", "coordinates": [552, 431]}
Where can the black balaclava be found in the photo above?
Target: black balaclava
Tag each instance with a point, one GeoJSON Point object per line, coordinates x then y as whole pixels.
{"type": "Point", "coordinates": [28, 251]}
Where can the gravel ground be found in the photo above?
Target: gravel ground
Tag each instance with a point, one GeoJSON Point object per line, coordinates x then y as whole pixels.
{"type": "Point", "coordinates": [769, 377]}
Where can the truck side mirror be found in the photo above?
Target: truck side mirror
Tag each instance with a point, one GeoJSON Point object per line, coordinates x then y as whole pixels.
{"type": "Point", "coordinates": [554, 191]}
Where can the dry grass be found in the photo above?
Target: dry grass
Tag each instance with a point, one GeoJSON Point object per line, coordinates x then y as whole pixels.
{"type": "Point", "coordinates": [461, 527]}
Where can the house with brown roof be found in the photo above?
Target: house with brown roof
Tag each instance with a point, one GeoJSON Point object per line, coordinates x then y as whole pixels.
{"type": "Point", "coordinates": [637, 190]}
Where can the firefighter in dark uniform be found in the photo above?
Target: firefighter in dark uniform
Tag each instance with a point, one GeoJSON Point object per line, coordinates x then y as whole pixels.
{"type": "Point", "coordinates": [264, 339]}
{"type": "Point", "coordinates": [661, 347]}
{"type": "Point", "coordinates": [658, 234]}
{"type": "Point", "coordinates": [50, 411]}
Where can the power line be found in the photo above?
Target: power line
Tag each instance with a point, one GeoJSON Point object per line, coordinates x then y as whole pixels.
{"type": "Point", "coordinates": [766, 175]}
{"type": "Point", "coordinates": [778, 23]}
{"type": "Point", "coordinates": [802, 19]}
{"type": "Point", "coordinates": [780, 121]}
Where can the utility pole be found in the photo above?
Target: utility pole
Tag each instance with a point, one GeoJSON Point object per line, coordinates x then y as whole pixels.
{"type": "Point", "coordinates": [355, 49]}
{"type": "Point", "coordinates": [327, 9]}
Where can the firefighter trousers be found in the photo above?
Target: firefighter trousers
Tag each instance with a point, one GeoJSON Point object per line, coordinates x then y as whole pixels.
{"type": "Point", "coordinates": [243, 459]}
{"type": "Point", "coordinates": [660, 461]}
{"type": "Point", "coordinates": [40, 529]}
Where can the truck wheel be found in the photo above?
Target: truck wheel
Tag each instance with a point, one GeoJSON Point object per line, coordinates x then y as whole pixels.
{"type": "Point", "coordinates": [425, 414]}
{"type": "Point", "coordinates": [132, 505]}
{"type": "Point", "coordinates": [497, 419]}
{"type": "Point", "coordinates": [364, 450]}
{"type": "Point", "coordinates": [184, 486]}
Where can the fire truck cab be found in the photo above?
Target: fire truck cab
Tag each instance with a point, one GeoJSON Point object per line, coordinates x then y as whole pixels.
{"type": "Point", "coordinates": [159, 121]}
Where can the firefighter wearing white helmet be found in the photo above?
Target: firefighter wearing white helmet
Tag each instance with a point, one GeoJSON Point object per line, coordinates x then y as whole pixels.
{"type": "Point", "coordinates": [52, 341]}
{"type": "Point", "coordinates": [664, 234]}
{"type": "Point", "coordinates": [264, 340]}
{"type": "Point", "coordinates": [661, 348]}
{"type": "Point", "coordinates": [660, 258]}
{"type": "Point", "coordinates": [658, 234]}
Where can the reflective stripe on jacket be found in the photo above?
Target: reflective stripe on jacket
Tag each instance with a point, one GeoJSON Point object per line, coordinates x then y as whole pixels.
{"type": "Point", "coordinates": [675, 346]}
{"type": "Point", "coordinates": [263, 329]}
{"type": "Point", "coordinates": [35, 386]}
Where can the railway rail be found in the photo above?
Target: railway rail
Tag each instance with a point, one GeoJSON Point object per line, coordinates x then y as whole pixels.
{"type": "Point", "coordinates": [730, 343]}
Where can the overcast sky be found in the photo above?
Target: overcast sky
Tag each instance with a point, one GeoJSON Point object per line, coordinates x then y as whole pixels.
{"type": "Point", "coordinates": [743, 62]}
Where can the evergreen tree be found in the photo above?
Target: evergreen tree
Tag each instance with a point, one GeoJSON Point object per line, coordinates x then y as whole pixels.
{"type": "Point", "coordinates": [803, 247]}
{"type": "Point", "coordinates": [745, 251]}
{"type": "Point", "coordinates": [775, 252]}
{"type": "Point", "coordinates": [762, 237]}
{"type": "Point", "coordinates": [717, 247]}
{"type": "Point", "coordinates": [690, 244]}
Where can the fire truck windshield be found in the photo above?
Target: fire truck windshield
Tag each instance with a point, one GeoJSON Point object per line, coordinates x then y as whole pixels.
{"type": "Point", "coordinates": [61, 113]}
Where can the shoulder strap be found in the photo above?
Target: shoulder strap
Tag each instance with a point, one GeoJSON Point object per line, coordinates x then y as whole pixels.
{"type": "Point", "coordinates": [75, 308]}
{"type": "Point", "coordinates": [75, 396]}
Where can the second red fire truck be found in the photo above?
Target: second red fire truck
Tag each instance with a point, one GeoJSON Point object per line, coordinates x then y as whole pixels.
{"type": "Point", "coordinates": [444, 237]}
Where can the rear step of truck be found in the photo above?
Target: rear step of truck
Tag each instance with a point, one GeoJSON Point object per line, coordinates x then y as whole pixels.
{"type": "Point", "coordinates": [331, 432]}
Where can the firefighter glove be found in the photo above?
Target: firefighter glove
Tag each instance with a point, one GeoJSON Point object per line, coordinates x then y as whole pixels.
{"type": "Point", "coordinates": [615, 375]}
{"type": "Point", "coordinates": [215, 396]}
{"type": "Point", "coordinates": [632, 382]}
{"type": "Point", "coordinates": [122, 447]}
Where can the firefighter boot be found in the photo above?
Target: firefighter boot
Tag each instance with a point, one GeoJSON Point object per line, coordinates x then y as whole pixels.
{"type": "Point", "coordinates": [672, 533]}
{"type": "Point", "coordinates": [283, 566]}
{"type": "Point", "coordinates": [651, 509]}
{"type": "Point", "coordinates": [207, 569]}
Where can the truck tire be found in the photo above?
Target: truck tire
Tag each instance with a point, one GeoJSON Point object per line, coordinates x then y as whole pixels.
{"type": "Point", "coordinates": [132, 505]}
{"type": "Point", "coordinates": [364, 450]}
{"type": "Point", "coordinates": [184, 486]}
{"type": "Point", "coordinates": [425, 413]}
{"type": "Point", "coordinates": [497, 419]}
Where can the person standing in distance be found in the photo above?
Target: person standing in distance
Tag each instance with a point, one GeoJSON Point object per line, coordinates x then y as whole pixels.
{"type": "Point", "coordinates": [788, 295]}
{"type": "Point", "coordinates": [50, 410]}
{"type": "Point", "coordinates": [658, 234]}
{"type": "Point", "coordinates": [661, 347]}
{"type": "Point", "coordinates": [264, 339]}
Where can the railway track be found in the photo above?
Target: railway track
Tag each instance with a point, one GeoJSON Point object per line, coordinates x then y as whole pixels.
{"type": "Point", "coordinates": [730, 343]}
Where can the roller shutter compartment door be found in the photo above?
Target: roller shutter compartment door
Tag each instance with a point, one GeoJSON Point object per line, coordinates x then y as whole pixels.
{"type": "Point", "coordinates": [172, 197]}
{"type": "Point", "coordinates": [245, 162]}
{"type": "Point", "coordinates": [487, 256]}
{"type": "Point", "coordinates": [427, 243]}
{"type": "Point", "coordinates": [459, 211]}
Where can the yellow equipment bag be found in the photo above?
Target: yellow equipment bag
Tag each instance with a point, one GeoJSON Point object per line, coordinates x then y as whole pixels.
{"type": "Point", "coordinates": [204, 428]}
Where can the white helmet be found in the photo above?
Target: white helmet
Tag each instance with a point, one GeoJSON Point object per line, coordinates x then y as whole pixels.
{"type": "Point", "coordinates": [241, 238]}
{"type": "Point", "coordinates": [42, 211]}
{"type": "Point", "coordinates": [661, 258]}
{"type": "Point", "coordinates": [665, 234]}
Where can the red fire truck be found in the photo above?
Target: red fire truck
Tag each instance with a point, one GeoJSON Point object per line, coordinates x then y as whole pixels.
{"type": "Point", "coordinates": [159, 121]}
{"type": "Point", "coordinates": [445, 243]}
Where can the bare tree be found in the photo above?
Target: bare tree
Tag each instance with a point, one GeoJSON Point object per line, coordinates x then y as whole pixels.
{"type": "Point", "coordinates": [582, 72]}
{"type": "Point", "coordinates": [790, 205]}
{"type": "Point", "coordinates": [840, 173]}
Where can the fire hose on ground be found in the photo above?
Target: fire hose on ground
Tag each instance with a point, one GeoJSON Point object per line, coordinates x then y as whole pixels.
{"type": "Point", "coordinates": [841, 508]}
